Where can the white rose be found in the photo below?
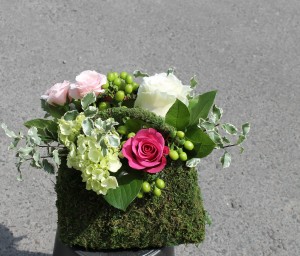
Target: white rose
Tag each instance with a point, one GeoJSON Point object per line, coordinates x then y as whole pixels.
{"type": "Point", "coordinates": [159, 92]}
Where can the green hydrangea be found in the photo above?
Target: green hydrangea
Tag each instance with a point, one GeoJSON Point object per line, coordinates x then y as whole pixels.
{"type": "Point", "coordinates": [68, 130]}
{"type": "Point", "coordinates": [96, 154]}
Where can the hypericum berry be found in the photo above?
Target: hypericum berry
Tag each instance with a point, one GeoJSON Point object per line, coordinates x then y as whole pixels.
{"type": "Point", "coordinates": [180, 134]}
{"type": "Point", "coordinates": [103, 105]}
{"type": "Point", "coordinates": [105, 86]}
{"type": "Point", "coordinates": [122, 129]}
{"type": "Point", "coordinates": [110, 77]}
{"type": "Point", "coordinates": [123, 75]}
{"type": "Point", "coordinates": [157, 191]}
{"type": "Point", "coordinates": [183, 156]}
{"type": "Point", "coordinates": [140, 195]}
{"type": "Point", "coordinates": [120, 95]}
{"type": "Point", "coordinates": [188, 145]}
{"type": "Point", "coordinates": [130, 135]}
{"type": "Point", "coordinates": [146, 188]}
{"type": "Point", "coordinates": [160, 183]}
{"type": "Point", "coordinates": [128, 88]}
{"type": "Point", "coordinates": [129, 79]}
{"type": "Point", "coordinates": [135, 86]}
{"type": "Point", "coordinates": [117, 81]}
{"type": "Point", "coordinates": [173, 155]}
{"type": "Point", "coordinates": [116, 74]}
{"type": "Point", "coordinates": [121, 155]}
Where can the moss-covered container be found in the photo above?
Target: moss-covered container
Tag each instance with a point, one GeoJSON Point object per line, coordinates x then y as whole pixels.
{"type": "Point", "coordinates": [176, 217]}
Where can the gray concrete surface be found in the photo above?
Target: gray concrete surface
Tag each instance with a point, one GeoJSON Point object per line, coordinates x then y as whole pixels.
{"type": "Point", "coordinates": [248, 50]}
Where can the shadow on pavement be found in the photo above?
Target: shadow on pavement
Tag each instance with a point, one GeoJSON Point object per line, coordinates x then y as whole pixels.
{"type": "Point", "coordinates": [8, 243]}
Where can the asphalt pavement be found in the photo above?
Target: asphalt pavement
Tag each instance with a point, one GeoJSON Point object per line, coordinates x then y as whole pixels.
{"type": "Point", "coordinates": [248, 50]}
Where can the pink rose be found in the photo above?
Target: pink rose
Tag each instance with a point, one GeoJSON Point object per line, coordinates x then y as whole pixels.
{"type": "Point", "coordinates": [57, 94]}
{"type": "Point", "coordinates": [87, 81]}
{"type": "Point", "coordinates": [146, 151]}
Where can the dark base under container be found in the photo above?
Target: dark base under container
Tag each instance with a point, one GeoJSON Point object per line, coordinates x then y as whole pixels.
{"type": "Point", "coordinates": [61, 249]}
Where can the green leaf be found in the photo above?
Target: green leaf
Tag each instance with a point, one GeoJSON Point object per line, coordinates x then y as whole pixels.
{"type": "Point", "coordinates": [100, 125]}
{"type": "Point", "coordinates": [203, 144]}
{"type": "Point", "coordinates": [193, 82]}
{"type": "Point", "coordinates": [48, 167]}
{"type": "Point", "coordinates": [41, 124]}
{"type": "Point", "coordinates": [49, 135]}
{"type": "Point", "coordinates": [55, 155]}
{"type": "Point", "coordinates": [126, 192]}
{"type": "Point", "coordinates": [208, 126]}
{"type": "Point", "coordinates": [55, 111]}
{"type": "Point", "coordinates": [87, 100]}
{"type": "Point", "coordinates": [46, 129]}
{"type": "Point", "coordinates": [71, 115]}
{"type": "Point", "coordinates": [199, 107]}
{"type": "Point", "coordinates": [241, 139]}
{"type": "Point", "coordinates": [230, 128]}
{"type": "Point", "coordinates": [36, 159]}
{"type": "Point", "coordinates": [216, 138]}
{"type": "Point", "coordinates": [24, 151]}
{"type": "Point", "coordinates": [138, 73]}
{"type": "Point", "coordinates": [110, 123]}
{"type": "Point", "coordinates": [91, 111]}
{"type": "Point", "coordinates": [33, 136]}
{"type": "Point", "coordinates": [104, 126]}
{"type": "Point", "coordinates": [192, 162]}
{"type": "Point", "coordinates": [87, 126]}
{"type": "Point", "coordinates": [225, 140]}
{"type": "Point", "coordinates": [18, 165]}
{"type": "Point", "coordinates": [170, 71]}
{"type": "Point", "coordinates": [113, 140]}
{"type": "Point", "coordinates": [225, 159]}
{"type": "Point", "coordinates": [134, 125]}
{"type": "Point", "coordinates": [178, 115]}
{"type": "Point", "coordinates": [245, 128]}
{"type": "Point", "coordinates": [14, 143]}
{"type": "Point", "coordinates": [216, 114]}
{"type": "Point", "coordinates": [8, 132]}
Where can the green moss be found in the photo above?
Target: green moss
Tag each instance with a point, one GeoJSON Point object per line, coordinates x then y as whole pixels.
{"type": "Point", "coordinates": [85, 219]}
{"type": "Point", "coordinates": [176, 217]}
{"type": "Point", "coordinates": [139, 114]}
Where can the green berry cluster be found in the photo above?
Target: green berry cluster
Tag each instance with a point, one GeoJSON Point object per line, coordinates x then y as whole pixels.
{"type": "Point", "coordinates": [179, 144]}
{"type": "Point", "coordinates": [120, 85]}
{"type": "Point", "coordinates": [123, 130]}
{"type": "Point", "coordinates": [156, 188]}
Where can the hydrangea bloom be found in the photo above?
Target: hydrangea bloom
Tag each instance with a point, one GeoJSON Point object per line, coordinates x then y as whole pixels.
{"type": "Point", "coordinates": [94, 154]}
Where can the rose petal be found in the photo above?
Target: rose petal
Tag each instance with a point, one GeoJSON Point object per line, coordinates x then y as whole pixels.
{"type": "Point", "coordinates": [146, 154]}
{"type": "Point", "coordinates": [149, 163]}
{"type": "Point", "coordinates": [166, 150]}
{"type": "Point", "coordinates": [127, 152]}
{"type": "Point", "coordinates": [159, 92]}
{"type": "Point", "coordinates": [133, 163]}
{"type": "Point", "coordinates": [158, 168]}
{"type": "Point", "coordinates": [57, 94]}
{"type": "Point", "coordinates": [87, 81]}
{"type": "Point", "coordinates": [74, 92]}
{"type": "Point", "coordinates": [146, 151]}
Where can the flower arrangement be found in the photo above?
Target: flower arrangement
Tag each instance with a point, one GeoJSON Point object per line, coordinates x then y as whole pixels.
{"type": "Point", "coordinates": [128, 151]}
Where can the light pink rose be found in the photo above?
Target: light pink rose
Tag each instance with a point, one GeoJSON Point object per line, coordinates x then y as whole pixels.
{"type": "Point", "coordinates": [146, 151]}
{"type": "Point", "coordinates": [57, 94]}
{"type": "Point", "coordinates": [87, 81]}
